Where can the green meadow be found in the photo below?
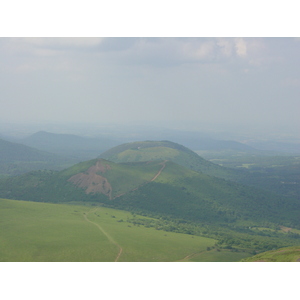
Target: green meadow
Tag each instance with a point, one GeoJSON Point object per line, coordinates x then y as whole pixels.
{"type": "Point", "coordinates": [32, 231]}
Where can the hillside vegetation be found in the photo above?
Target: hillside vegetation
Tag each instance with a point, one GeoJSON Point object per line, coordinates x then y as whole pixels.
{"type": "Point", "coordinates": [159, 187]}
{"type": "Point", "coordinates": [287, 254]}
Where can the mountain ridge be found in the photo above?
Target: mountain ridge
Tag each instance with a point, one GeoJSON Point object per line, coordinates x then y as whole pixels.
{"type": "Point", "coordinates": [82, 148]}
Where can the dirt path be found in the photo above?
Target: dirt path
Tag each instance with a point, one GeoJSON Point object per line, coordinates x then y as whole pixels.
{"type": "Point", "coordinates": [157, 174]}
{"type": "Point", "coordinates": [190, 255]}
{"type": "Point", "coordinates": [105, 233]}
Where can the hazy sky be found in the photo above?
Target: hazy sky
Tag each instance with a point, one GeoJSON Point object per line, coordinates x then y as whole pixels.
{"type": "Point", "coordinates": [252, 82]}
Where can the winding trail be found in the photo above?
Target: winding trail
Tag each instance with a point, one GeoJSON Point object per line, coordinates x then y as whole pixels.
{"type": "Point", "coordinates": [156, 175]}
{"type": "Point", "coordinates": [85, 215]}
{"type": "Point", "coordinates": [190, 255]}
{"type": "Point", "coordinates": [159, 172]}
{"type": "Point", "coordinates": [105, 233]}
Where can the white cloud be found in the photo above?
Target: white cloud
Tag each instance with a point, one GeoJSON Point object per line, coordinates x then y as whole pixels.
{"type": "Point", "coordinates": [240, 47]}
{"type": "Point", "coordinates": [225, 46]}
{"type": "Point", "coordinates": [197, 50]}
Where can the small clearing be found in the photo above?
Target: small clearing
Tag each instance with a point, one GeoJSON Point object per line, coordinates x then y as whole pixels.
{"type": "Point", "coordinates": [285, 229]}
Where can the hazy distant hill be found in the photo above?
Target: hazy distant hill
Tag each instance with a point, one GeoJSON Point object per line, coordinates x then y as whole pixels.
{"type": "Point", "coordinates": [10, 152]}
{"type": "Point", "coordinates": [193, 140]}
{"type": "Point", "coordinates": [82, 148]}
{"type": "Point", "coordinates": [197, 141]}
{"type": "Point", "coordinates": [293, 148]}
{"type": "Point", "coordinates": [17, 159]}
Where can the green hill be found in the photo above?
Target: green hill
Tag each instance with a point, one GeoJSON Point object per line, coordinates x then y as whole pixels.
{"type": "Point", "coordinates": [166, 150]}
{"type": "Point", "coordinates": [281, 181]}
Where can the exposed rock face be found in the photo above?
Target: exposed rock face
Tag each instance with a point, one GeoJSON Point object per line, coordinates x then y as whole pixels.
{"type": "Point", "coordinates": [92, 182]}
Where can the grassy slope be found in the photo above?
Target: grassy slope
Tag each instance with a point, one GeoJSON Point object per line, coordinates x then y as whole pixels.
{"type": "Point", "coordinates": [122, 177]}
{"type": "Point", "coordinates": [281, 180]}
{"type": "Point", "coordinates": [125, 177]}
{"type": "Point", "coordinates": [288, 254]}
{"type": "Point", "coordinates": [54, 186]}
{"type": "Point", "coordinates": [55, 232]}
{"type": "Point", "coordinates": [165, 150]}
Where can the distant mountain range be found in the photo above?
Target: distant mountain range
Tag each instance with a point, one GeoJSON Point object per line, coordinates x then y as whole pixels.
{"type": "Point", "coordinates": [197, 141]}
{"type": "Point", "coordinates": [292, 148]}
{"type": "Point", "coordinates": [82, 148]}
{"type": "Point", "coordinates": [16, 159]}
{"type": "Point", "coordinates": [10, 152]}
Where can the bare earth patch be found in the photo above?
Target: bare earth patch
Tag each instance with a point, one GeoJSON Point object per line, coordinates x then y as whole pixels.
{"type": "Point", "coordinates": [92, 182]}
{"type": "Point", "coordinates": [285, 229]}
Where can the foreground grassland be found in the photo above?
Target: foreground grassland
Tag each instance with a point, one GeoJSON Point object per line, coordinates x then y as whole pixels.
{"type": "Point", "coordinates": [33, 231]}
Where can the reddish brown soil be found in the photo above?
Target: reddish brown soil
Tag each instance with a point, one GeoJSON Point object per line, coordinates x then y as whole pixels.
{"type": "Point", "coordinates": [93, 182]}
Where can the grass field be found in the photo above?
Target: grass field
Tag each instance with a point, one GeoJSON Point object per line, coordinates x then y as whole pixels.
{"type": "Point", "coordinates": [33, 231]}
{"type": "Point", "coordinates": [48, 232]}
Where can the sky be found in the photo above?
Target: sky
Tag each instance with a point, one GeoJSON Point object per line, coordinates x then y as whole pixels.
{"type": "Point", "coordinates": [181, 82]}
